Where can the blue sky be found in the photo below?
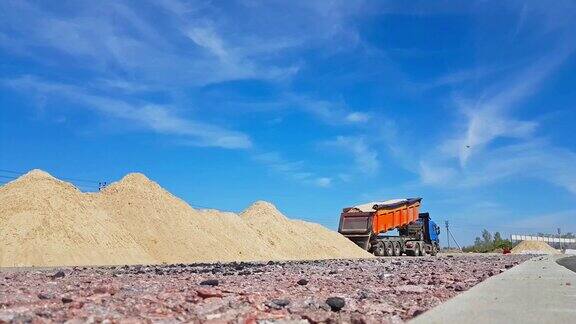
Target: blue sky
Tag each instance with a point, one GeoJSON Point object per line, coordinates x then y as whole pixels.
{"type": "Point", "coordinates": [313, 106]}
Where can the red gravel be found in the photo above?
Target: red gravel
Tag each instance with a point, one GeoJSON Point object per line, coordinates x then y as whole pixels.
{"type": "Point", "coordinates": [378, 290]}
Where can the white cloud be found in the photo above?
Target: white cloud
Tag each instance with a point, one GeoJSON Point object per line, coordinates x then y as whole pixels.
{"type": "Point", "coordinates": [472, 157]}
{"type": "Point", "coordinates": [294, 170]}
{"type": "Point", "coordinates": [324, 182]}
{"type": "Point", "coordinates": [488, 117]}
{"type": "Point", "coordinates": [532, 159]}
{"type": "Point", "coordinates": [331, 112]}
{"type": "Point", "coordinates": [208, 39]}
{"type": "Point", "coordinates": [160, 119]}
{"type": "Point", "coordinates": [113, 41]}
{"type": "Point", "coordinates": [435, 174]}
{"type": "Point", "coordinates": [365, 157]}
{"type": "Point", "coordinates": [357, 117]}
{"type": "Point", "coordinates": [545, 223]}
{"type": "Point", "coordinates": [536, 159]}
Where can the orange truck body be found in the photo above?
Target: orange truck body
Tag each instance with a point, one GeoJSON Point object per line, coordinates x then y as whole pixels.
{"type": "Point", "coordinates": [388, 219]}
{"type": "Point", "coordinates": [383, 219]}
{"type": "Point", "coordinates": [364, 226]}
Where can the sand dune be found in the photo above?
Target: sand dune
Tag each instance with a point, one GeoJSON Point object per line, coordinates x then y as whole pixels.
{"type": "Point", "coordinates": [48, 222]}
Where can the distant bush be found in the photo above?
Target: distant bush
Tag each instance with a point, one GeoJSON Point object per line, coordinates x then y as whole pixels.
{"type": "Point", "coordinates": [488, 243]}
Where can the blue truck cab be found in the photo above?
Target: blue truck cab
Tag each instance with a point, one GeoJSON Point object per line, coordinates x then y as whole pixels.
{"type": "Point", "coordinates": [431, 231]}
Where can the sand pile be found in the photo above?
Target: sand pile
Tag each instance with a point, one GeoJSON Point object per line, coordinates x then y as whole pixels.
{"type": "Point", "coordinates": [172, 231]}
{"type": "Point", "coordinates": [533, 247]}
{"type": "Point", "coordinates": [48, 222]}
{"type": "Point", "coordinates": [295, 239]}
{"type": "Point", "coordinates": [45, 221]}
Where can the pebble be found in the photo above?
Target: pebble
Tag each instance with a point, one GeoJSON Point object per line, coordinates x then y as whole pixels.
{"type": "Point", "coordinates": [59, 274]}
{"type": "Point", "coordinates": [209, 293]}
{"type": "Point", "coordinates": [278, 303]}
{"type": "Point", "coordinates": [335, 303]}
{"type": "Point", "coordinates": [459, 287]}
{"type": "Point", "coordinates": [274, 295]}
{"type": "Point", "coordinates": [210, 282]}
{"type": "Point", "coordinates": [281, 302]}
{"type": "Point", "coordinates": [66, 300]}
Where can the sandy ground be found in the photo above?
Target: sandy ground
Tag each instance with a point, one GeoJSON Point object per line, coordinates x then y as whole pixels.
{"type": "Point", "coordinates": [368, 290]}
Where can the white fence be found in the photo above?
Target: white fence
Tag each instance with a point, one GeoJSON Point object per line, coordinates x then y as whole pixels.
{"type": "Point", "coordinates": [515, 237]}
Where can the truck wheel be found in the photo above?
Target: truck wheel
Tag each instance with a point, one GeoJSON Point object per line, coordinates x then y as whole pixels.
{"type": "Point", "coordinates": [417, 249]}
{"type": "Point", "coordinates": [379, 249]}
{"type": "Point", "coordinates": [422, 251]}
{"type": "Point", "coordinates": [388, 249]}
{"type": "Point", "coordinates": [434, 250]}
{"type": "Point", "coordinates": [397, 251]}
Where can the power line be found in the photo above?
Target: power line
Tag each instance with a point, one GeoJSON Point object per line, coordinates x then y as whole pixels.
{"type": "Point", "coordinates": [458, 245]}
{"type": "Point", "coordinates": [82, 184]}
{"type": "Point", "coordinates": [68, 179]}
{"type": "Point", "coordinates": [449, 235]}
{"type": "Point", "coordinates": [13, 172]}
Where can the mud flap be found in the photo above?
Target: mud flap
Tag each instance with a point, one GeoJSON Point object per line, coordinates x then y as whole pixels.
{"type": "Point", "coordinates": [362, 241]}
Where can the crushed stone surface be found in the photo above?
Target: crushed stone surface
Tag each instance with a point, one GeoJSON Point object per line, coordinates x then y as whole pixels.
{"type": "Point", "coordinates": [355, 291]}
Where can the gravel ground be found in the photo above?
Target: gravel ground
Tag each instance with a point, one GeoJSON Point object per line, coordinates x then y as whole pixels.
{"type": "Point", "coordinates": [357, 291]}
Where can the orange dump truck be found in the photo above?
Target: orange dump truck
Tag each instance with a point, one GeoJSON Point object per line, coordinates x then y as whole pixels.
{"type": "Point", "coordinates": [366, 225]}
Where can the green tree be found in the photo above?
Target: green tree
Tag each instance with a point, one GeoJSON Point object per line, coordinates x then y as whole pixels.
{"type": "Point", "coordinates": [488, 243]}
{"type": "Point", "coordinates": [478, 241]}
{"type": "Point", "coordinates": [497, 238]}
{"type": "Point", "coordinates": [486, 236]}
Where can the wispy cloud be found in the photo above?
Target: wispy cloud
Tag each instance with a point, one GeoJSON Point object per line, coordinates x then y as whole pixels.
{"type": "Point", "coordinates": [545, 223]}
{"type": "Point", "coordinates": [113, 40]}
{"type": "Point", "coordinates": [331, 112]}
{"type": "Point", "coordinates": [191, 44]}
{"type": "Point", "coordinates": [294, 170]}
{"type": "Point", "coordinates": [488, 119]}
{"type": "Point", "coordinates": [158, 118]}
{"type": "Point", "coordinates": [365, 157]}
{"type": "Point", "coordinates": [535, 159]}
{"type": "Point", "coordinates": [492, 144]}
{"type": "Point", "coordinates": [357, 117]}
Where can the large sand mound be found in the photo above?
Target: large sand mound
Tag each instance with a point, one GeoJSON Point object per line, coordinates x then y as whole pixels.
{"type": "Point", "coordinates": [172, 231]}
{"type": "Point", "coordinates": [48, 222]}
{"type": "Point", "coordinates": [534, 247]}
{"type": "Point", "coordinates": [295, 239]}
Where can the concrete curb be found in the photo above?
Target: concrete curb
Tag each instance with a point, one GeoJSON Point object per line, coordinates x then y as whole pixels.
{"type": "Point", "coordinates": [536, 291]}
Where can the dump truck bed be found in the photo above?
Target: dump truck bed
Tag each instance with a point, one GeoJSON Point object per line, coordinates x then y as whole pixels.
{"type": "Point", "coordinates": [362, 223]}
{"type": "Point", "coordinates": [381, 218]}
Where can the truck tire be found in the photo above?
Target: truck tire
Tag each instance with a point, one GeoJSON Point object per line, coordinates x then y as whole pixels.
{"type": "Point", "coordinates": [397, 251]}
{"type": "Point", "coordinates": [434, 250]}
{"type": "Point", "coordinates": [417, 249]}
{"type": "Point", "coordinates": [379, 249]}
{"type": "Point", "coordinates": [388, 249]}
{"type": "Point", "coordinates": [422, 251]}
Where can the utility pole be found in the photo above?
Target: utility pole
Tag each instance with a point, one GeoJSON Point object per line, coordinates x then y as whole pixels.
{"type": "Point", "coordinates": [560, 238]}
{"type": "Point", "coordinates": [455, 242]}
{"type": "Point", "coordinates": [447, 233]}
